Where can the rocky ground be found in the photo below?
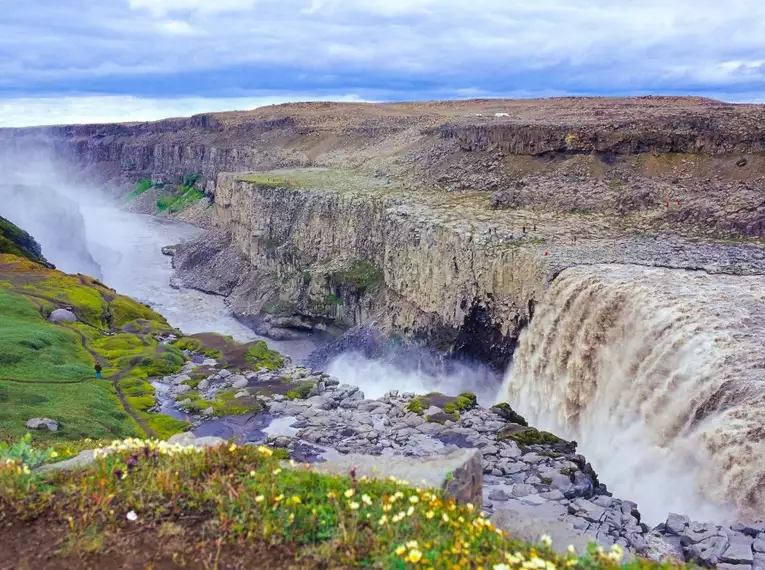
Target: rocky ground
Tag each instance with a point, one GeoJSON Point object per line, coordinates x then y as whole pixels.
{"type": "Point", "coordinates": [533, 482]}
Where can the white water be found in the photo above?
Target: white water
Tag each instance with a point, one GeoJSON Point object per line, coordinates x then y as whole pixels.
{"type": "Point", "coordinates": [377, 377]}
{"type": "Point", "coordinates": [660, 376]}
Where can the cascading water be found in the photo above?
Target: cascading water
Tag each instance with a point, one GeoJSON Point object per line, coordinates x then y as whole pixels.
{"type": "Point", "coordinates": [660, 376]}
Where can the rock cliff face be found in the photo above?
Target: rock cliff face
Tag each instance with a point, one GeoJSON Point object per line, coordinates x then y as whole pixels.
{"type": "Point", "coordinates": [352, 258]}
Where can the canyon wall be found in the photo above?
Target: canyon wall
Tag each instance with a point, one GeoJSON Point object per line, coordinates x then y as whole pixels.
{"type": "Point", "coordinates": [353, 258]}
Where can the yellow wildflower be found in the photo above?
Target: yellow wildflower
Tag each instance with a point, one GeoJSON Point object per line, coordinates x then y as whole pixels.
{"type": "Point", "coordinates": [501, 567]}
{"type": "Point", "coordinates": [296, 500]}
{"type": "Point", "coordinates": [545, 540]}
{"type": "Point", "coordinates": [387, 508]}
{"type": "Point", "coordinates": [429, 515]}
{"type": "Point", "coordinates": [252, 473]}
{"type": "Point", "coordinates": [260, 499]}
{"type": "Point", "coordinates": [410, 511]}
{"type": "Point", "coordinates": [277, 471]}
{"type": "Point", "coordinates": [383, 520]}
{"type": "Point", "coordinates": [366, 499]}
{"type": "Point", "coordinates": [445, 517]}
{"type": "Point", "coordinates": [331, 495]}
{"type": "Point", "coordinates": [571, 550]}
{"type": "Point", "coordinates": [414, 499]}
{"type": "Point", "coordinates": [470, 507]}
{"type": "Point", "coordinates": [400, 550]}
{"type": "Point", "coordinates": [353, 505]}
{"type": "Point", "coordinates": [53, 454]}
{"type": "Point", "coordinates": [414, 556]}
{"type": "Point", "coordinates": [412, 544]}
{"type": "Point", "coordinates": [265, 451]}
{"type": "Point", "coordinates": [349, 493]}
{"type": "Point", "coordinates": [278, 498]}
{"type": "Point", "coordinates": [232, 448]}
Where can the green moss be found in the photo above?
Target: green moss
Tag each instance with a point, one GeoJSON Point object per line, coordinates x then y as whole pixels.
{"type": "Point", "coordinates": [184, 196]}
{"type": "Point", "coordinates": [416, 406]}
{"type": "Point", "coordinates": [363, 275]}
{"type": "Point", "coordinates": [15, 241]}
{"type": "Point", "coordinates": [124, 310]}
{"type": "Point", "coordinates": [507, 413]}
{"type": "Point", "coordinates": [443, 417]}
{"type": "Point", "coordinates": [466, 401]}
{"type": "Point", "coordinates": [301, 389]}
{"type": "Point", "coordinates": [527, 436]}
{"type": "Point", "coordinates": [260, 356]}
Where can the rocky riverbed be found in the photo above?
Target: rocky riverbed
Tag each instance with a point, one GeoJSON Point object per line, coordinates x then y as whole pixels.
{"type": "Point", "coordinates": [533, 482]}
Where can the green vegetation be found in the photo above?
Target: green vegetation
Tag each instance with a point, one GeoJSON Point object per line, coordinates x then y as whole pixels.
{"type": "Point", "coordinates": [141, 186]}
{"type": "Point", "coordinates": [527, 436]}
{"type": "Point", "coordinates": [260, 356]}
{"type": "Point", "coordinates": [16, 241]}
{"type": "Point", "coordinates": [416, 406]}
{"type": "Point", "coordinates": [271, 181]}
{"type": "Point", "coordinates": [232, 500]}
{"type": "Point", "coordinates": [184, 195]}
{"type": "Point", "coordinates": [507, 413]}
{"type": "Point", "coordinates": [46, 369]}
{"type": "Point", "coordinates": [361, 274]}
{"type": "Point", "coordinates": [300, 389]}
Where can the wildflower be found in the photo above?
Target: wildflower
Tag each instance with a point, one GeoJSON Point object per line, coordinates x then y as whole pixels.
{"type": "Point", "coordinates": [292, 518]}
{"type": "Point", "coordinates": [277, 471]}
{"type": "Point", "coordinates": [501, 567]}
{"type": "Point", "coordinates": [366, 499]}
{"type": "Point", "coordinates": [353, 505]}
{"type": "Point", "coordinates": [265, 451]}
{"type": "Point", "coordinates": [545, 540]}
{"type": "Point", "coordinates": [398, 517]}
{"type": "Point", "coordinates": [616, 553]}
{"type": "Point", "coordinates": [470, 507]}
{"type": "Point", "coordinates": [400, 550]}
{"type": "Point", "coordinates": [387, 508]}
{"type": "Point", "coordinates": [331, 495]}
{"type": "Point", "coordinates": [132, 517]}
{"type": "Point", "coordinates": [414, 556]}
{"type": "Point", "coordinates": [252, 473]}
{"type": "Point", "coordinates": [571, 550]}
{"type": "Point", "coordinates": [410, 511]}
{"type": "Point", "coordinates": [383, 520]}
{"type": "Point", "coordinates": [296, 500]}
{"type": "Point", "coordinates": [412, 544]}
{"type": "Point", "coordinates": [429, 515]}
{"type": "Point", "coordinates": [349, 493]}
{"type": "Point", "coordinates": [445, 517]}
{"type": "Point", "coordinates": [260, 499]}
{"type": "Point", "coordinates": [279, 497]}
{"type": "Point", "coordinates": [53, 454]}
{"type": "Point", "coordinates": [232, 448]}
{"type": "Point", "coordinates": [414, 499]}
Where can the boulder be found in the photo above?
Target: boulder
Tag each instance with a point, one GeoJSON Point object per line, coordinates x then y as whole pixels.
{"type": "Point", "coordinates": [459, 474]}
{"type": "Point", "coordinates": [238, 381]}
{"type": "Point", "coordinates": [43, 423]}
{"type": "Point", "coordinates": [62, 316]}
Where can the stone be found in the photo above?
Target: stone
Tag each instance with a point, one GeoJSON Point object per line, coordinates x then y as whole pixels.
{"type": "Point", "coordinates": [224, 374]}
{"type": "Point", "coordinates": [62, 316]}
{"type": "Point", "coordinates": [498, 495]}
{"type": "Point", "coordinates": [710, 550]}
{"type": "Point", "coordinates": [459, 474]}
{"type": "Point", "coordinates": [739, 550]}
{"type": "Point", "coordinates": [203, 385]}
{"type": "Point", "coordinates": [181, 389]}
{"type": "Point", "coordinates": [676, 523]}
{"type": "Point", "coordinates": [209, 362]}
{"type": "Point", "coordinates": [209, 441]}
{"type": "Point", "coordinates": [84, 459]}
{"type": "Point", "coordinates": [759, 544]}
{"type": "Point", "coordinates": [43, 423]}
{"type": "Point", "coordinates": [433, 410]}
{"type": "Point", "coordinates": [185, 438]}
{"type": "Point", "coordinates": [734, 566]}
{"type": "Point", "coordinates": [238, 381]}
{"type": "Point", "coordinates": [522, 489]}
{"type": "Point", "coordinates": [241, 394]}
{"type": "Point", "coordinates": [587, 510]}
{"type": "Point", "coordinates": [208, 412]}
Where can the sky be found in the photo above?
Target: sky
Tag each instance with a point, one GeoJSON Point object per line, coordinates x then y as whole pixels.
{"type": "Point", "coordinates": [70, 61]}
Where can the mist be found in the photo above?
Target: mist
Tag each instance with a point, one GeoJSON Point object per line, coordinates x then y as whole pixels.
{"type": "Point", "coordinates": [376, 377]}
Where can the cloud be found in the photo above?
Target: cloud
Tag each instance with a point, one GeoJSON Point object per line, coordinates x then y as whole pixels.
{"type": "Point", "coordinates": [391, 48]}
{"type": "Point", "coordinates": [22, 112]}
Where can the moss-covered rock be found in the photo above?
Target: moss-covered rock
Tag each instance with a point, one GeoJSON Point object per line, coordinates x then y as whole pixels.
{"type": "Point", "coordinates": [15, 241]}
{"type": "Point", "coordinates": [260, 356]}
{"type": "Point", "coordinates": [507, 413]}
{"type": "Point", "coordinates": [526, 436]}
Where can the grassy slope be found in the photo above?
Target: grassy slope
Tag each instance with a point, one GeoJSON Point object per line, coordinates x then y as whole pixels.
{"type": "Point", "coordinates": [16, 241]}
{"type": "Point", "coordinates": [43, 354]}
{"type": "Point", "coordinates": [230, 500]}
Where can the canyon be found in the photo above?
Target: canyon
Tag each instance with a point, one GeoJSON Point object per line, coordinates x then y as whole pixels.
{"type": "Point", "coordinates": [606, 253]}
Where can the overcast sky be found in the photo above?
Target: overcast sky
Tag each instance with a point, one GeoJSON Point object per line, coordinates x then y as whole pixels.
{"type": "Point", "coordinates": [105, 60]}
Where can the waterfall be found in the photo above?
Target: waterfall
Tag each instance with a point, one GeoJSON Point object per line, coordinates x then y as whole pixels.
{"type": "Point", "coordinates": [659, 374]}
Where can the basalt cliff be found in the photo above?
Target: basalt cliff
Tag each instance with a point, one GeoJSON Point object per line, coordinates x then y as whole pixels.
{"type": "Point", "coordinates": [442, 222]}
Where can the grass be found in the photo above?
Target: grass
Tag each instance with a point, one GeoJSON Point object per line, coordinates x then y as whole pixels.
{"type": "Point", "coordinates": [46, 370]}
{"type": "Point", "coordinates": [140, 187]}
{"type": "Point", "coordinates": [184, 196]}
{"type": "Point", "coordinates": [260, 356]}
{"type": "Point", "coordinates": [242, 497]}
{"type": "Point", "coordinates": [15, 241]}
